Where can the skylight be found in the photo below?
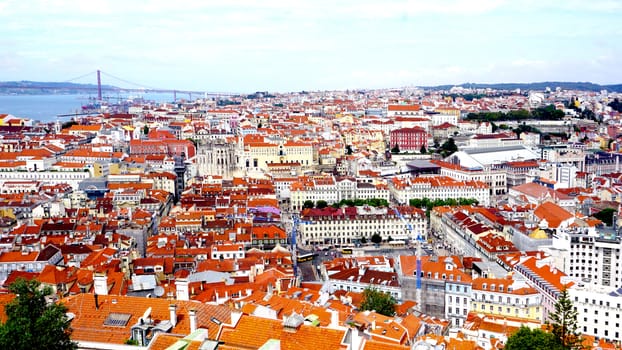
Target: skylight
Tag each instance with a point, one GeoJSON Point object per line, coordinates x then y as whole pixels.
{"type": "Point", "coordinates": [116, 319]}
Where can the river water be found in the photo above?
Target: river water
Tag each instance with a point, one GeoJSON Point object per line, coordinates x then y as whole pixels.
{"type": "Point", "coordinates": [46, 108]}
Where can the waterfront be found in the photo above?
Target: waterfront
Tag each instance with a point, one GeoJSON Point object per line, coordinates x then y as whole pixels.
{"type": "Point", "coordinates": [45, 108]}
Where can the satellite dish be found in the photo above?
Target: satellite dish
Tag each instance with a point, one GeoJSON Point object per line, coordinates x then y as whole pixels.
{"type": "Point", "coordinates": [158, 291]}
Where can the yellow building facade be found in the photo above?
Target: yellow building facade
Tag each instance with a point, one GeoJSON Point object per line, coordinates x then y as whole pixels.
{"type": "Point", "coordinates": [507, 298]}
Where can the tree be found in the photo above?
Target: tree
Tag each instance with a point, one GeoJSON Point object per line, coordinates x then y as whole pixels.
{"type": "Point", "coordinates": [194, 142]}
{"type": "Point", "coordinates": [616, 105]}
{"type": "Point", "coordinates": [359, 202]}
{"type": "Point", "coordinates": [381, 302]}
{"type": "Point", "coordinates": [532, 339]}
{"type": "Point", "coordinates": [563, 322]}
{"type": "Point", "coordinates": [423, 150]}
{"type": "Point", "coordinates": [321, 204]}
{"type": "Point", "coordinates": [606, 216]}
{"type": "Point", "coordinates": [346, 202]}
{"type": "Point", "coordinates": [363, 240]}
{"type": "Point", "coordinates": [395, 149]}
{"type": "Point", "coordinates": [146, 129]}
{"type": "Point", "coordinates": [33, 323]}
{"type": "Point", "coordinates": [376, 238]}
{"type": "Point", "coordinates": [69, 124]}
{"type": "Point", "coordinates": [308, 204]}
{"type": "Point", "coordinates": [348, 149]}
{"type": "Point", "coordinates": [448, 147]}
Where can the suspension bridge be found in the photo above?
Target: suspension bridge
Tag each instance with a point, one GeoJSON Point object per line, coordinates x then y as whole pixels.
{"type": "Point", "coordinates": [133, 87]}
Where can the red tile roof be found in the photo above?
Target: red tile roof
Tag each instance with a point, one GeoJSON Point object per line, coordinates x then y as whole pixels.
{"type": "Point", "coordinates": [552, 213]}
{"type": "Point", "coordinates": [252, 332]}
{"type": "Point", "coordinates": [88, 323]}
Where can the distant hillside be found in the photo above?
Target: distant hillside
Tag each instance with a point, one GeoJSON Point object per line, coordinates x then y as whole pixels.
{"type": "Point", "coordinates": [26, 87]}
{"type": "Point", "coordinates": [584, 86]}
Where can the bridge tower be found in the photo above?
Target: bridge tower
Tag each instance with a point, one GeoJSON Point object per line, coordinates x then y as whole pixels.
{"type": "Point", "coordinates": [99, 86]}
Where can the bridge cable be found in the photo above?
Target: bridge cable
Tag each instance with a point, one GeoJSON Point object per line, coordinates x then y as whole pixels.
{"type": "Point", "coordinates": [129, 82]}
{"type": "Point", "coordinates": [80, 77]}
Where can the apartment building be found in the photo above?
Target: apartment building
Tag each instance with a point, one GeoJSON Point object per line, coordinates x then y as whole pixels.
{"type": "Point", "coordinates": [409, 139]}
{"type": "Point", "coordinates": [458, 291]}
{"type": "Point", "coordinates": [506, 297]}
{"type": "Point", "coordinates": [541, 274]}
{"type": "Point", "coordinates": [49, 177]}
{"type": "Point", "coordinates": [437, 187]}
{"type": "Point", "coordinates": [358, 278]}
{"type": "Point", "coordinates": [349, 225]}
{"type": "Point", "coordinates": [495, 179]}
{"type": "Point", "coordinates": [403, 110]}
{"type": "Point", "coordinates": [332, 190]}
{"type": "Point", "coordinates": [471, 237]}
{"type": "Point", "coordinates": [591, 256]}
{"type": "Point", "coordinates": [599, 310]}
{"type": "Point", "coordinates": [256, 152]}
{"type": "Point", "coordinates": [445, 288]}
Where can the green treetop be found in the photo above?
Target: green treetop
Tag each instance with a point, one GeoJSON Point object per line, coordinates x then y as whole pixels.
{"type": "Point", "coordinates": [381, 302]}
{"type": "Point", "coordinates": [32, 322]}
{"type": "Point", "coordinates": [563, 322]}
{"type": "Point", "coordinates": [532, 339]}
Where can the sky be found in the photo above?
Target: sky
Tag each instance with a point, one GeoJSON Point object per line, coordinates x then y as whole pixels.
{"type": "Point", "coordinates": [288, 45]}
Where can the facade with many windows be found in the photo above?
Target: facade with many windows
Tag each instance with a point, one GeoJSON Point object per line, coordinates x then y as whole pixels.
{"type": "Point", "coordinates": [348, 225]}
{"type": "Point", "coordinates": [438, 187]}
{"type": "Point", "coordinates": [591, 256]}
{"type": "Point", "coordinates": [357, 279]}
{"type": "Point", "coordinates": [599, 310]}
{"type": "Point", "coordinates": [458, 289]}
{"type": "Point", "coordinates": [409, 139]}
{"type": "Point", "coordinates": [333, 189]}
{"type": "Point", "coordinates": [496, 179]}
{"type": "Point", "coordinates": [542, 275]}
{"type": "Point", "coordinates": [507, 298]}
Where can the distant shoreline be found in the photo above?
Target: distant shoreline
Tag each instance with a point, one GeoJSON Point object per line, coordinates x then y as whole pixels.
{"type": "Point", "coordinates": [60, 88]}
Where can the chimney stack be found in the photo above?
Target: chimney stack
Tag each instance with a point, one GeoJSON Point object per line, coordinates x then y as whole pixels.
{"type": "Point", "coordinates": [173, 314]}
{"type": "Point", "coordinates": [193, 320]}
{"type": "Point", "coordinates": [334, 318]}
{"type": "Point", "coordinates": [181, 285]}
{"type": "Point", "coordinates": [100, 283]}
{"type": "Point", "coordinates": [96, 301]}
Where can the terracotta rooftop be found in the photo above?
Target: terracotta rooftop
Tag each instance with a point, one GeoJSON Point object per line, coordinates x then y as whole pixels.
{"type": "Point", "coordinates": [88, 323]}
{"type": "Point", "coordinates": [253, 332]}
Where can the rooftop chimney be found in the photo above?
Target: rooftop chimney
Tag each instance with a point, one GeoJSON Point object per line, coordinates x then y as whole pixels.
{"type": "Point", "coordinates": [100, 283]}
{"type": "Point", "coordinates": [173, 314]}
{"type": "Point", "coordinates": [193, 320]}
{"type": "Point", "coordinates": [96, 301]}
{"type": "Point", "coordinates": [334, 318]}
{"type": "Point", "coordinates": [181, 285]}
